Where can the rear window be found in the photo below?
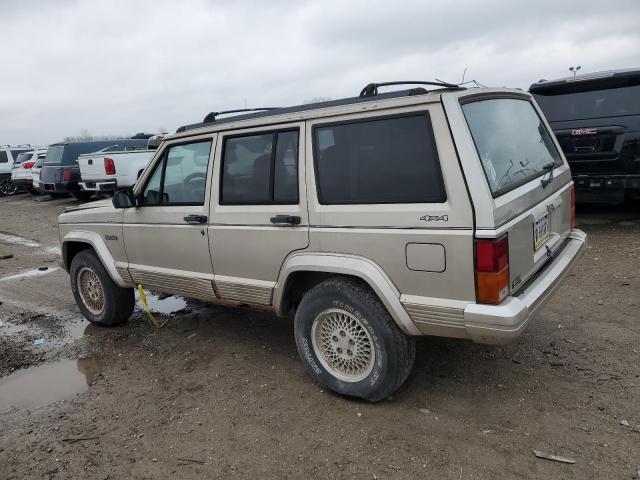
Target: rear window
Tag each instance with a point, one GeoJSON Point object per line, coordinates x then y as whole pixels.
{"type": "Point", "coordinates": [512, 142]}
{"type": "Point", "coordinates": [54, 155]}
{"type": "Point", "coordinates": [612, 102]}
{"type": "Point", "coordinates": [387, 160]}
{"type": "Point", "coordinates": [23, 157]}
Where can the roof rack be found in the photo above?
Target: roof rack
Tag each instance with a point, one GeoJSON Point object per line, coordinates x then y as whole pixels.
{"type": "Point", "coordinates": [211, 117]}
{"type": "Point", "coordinates": [372, 89]}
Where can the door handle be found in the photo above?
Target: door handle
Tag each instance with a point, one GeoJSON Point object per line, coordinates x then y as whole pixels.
{"type": "Point", "coordinates": [285, 220]}
{"type": "Point", "coordinates": [195, 219]}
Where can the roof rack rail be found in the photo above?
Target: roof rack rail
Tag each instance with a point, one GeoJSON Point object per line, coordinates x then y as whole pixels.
{"type": "Point", "coordinates": [372, 89]}
{"type": "Point", "coordinates": [24, 145]}
{"type": "Point", "coordinates": [211, 117]}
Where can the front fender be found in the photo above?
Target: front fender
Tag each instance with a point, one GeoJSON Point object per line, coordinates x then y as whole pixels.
{"type": "Point", "coordinates": [351, 265]}
{"type": "Point", "coordinates": [97, 242]}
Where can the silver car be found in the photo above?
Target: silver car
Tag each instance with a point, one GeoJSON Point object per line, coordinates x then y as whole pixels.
{"type": "Point", "coordinates": [369, 220]}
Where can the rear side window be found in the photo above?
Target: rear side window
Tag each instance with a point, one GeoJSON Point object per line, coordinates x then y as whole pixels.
{"type": "Point", "coordinates": [387, 160]}
{"type": "Point", "coordinates": [260, 169]}
{"type": "Point", "coordinates": [512, 142]}
{"type": "Point", "coordinates": [3, 157]}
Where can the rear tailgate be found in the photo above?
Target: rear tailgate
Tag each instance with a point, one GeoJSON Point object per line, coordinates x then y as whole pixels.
{"type": "Point", "coordinates": [92, 167]}
{"type": "Point", "coordinates": [519, 181]}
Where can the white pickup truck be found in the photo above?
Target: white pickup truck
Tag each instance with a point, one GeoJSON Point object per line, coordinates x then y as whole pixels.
{"type": "Point", "coordinates": [114, 167]}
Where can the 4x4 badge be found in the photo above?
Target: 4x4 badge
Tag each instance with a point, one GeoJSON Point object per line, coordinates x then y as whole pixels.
{"type": "Point", "coordinates": [435, 218]}
{"type": "Point", "coordinates": [111, 237]}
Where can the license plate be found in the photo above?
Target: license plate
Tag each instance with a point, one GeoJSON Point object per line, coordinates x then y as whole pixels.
{"type": "Point", "coordinates": [540, 232]}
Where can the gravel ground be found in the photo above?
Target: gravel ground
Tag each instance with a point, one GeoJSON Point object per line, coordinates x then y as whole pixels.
{"type": "Point", "coordinates": [220, 392]}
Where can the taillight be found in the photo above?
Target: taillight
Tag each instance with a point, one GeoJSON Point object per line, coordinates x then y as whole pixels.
{"type": "Point", "coordinates": [573, 205]}
{"type": "Point", "coordinates": [109, 166]}
{"type": "Point", "coordinates": [28, 165]}
{"type": "Point", "coordinates": [67, 175]}
{"type": "Point", "coordinates": [492, 269]}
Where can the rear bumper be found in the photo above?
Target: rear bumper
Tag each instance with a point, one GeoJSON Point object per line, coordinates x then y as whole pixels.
{"type": "Point", "coordinates": [99, 185]}
{"type": "Point", "coordinates": [63, 187]}
{"type": "Point", "coordinates": [607, 182]}
{"type": "Point", "coordinates": [505, 322]}
{"type": "Point", "coordinates": [25, 182]}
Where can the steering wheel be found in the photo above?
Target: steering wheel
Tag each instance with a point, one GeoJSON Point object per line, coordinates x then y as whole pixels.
{"type": "Point", "coordinates": [190, 185]}
{"type": "Point", "coordinates": [195, 176]}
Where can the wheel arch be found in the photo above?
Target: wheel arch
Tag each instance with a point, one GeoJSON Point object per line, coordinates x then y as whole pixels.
{"type": "Point", "coordinates": [77, 241]}
{"type": "Point", "coordinates": [300, 272]}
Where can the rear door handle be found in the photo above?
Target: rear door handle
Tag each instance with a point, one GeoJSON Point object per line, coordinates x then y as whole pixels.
{"type": "Point", "coordinates": [285, 220]}
{"type": "Point", "coordinates": [195, 219]}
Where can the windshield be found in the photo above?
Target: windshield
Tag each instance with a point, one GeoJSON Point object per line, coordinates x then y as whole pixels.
{"type": "Point", "coordinates": [54, 155]}
{"type": "Point", "coordinates": [611, 102]}
{"type": "Point", "coordinates": [23, 157]}
{"type": "Point", "coordinates": [512, 142]}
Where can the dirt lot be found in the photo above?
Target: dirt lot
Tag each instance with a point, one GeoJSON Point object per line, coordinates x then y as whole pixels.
{"type": "Point", "coordinates": [220, 392]}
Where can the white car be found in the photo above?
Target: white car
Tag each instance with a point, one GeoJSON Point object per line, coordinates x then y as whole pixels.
{"type": "Point", "coordinates": [21, 173]}
{"type": "Point", "coordinates": [8, 155]}
{"type": "Point", "coordinates": [115, 168]}
{"type": "Point", "coordinates": [35, 172]}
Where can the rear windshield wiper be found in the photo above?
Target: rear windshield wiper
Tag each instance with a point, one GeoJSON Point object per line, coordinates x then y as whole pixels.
{"type": "Point", "coordinates": [548, 168]}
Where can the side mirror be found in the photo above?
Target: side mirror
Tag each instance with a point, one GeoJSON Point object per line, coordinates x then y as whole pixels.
{"type": "Point", "coordinates": [124, 199]}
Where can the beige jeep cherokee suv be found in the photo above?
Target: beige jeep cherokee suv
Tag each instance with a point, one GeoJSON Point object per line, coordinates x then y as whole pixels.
{"type": "Point", "coordinates": [372, 219]}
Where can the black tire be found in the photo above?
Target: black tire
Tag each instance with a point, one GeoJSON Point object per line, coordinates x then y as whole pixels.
{"type": "Point", "coordinates": [394, 352]}
{"type": "Point", "coordinates": [83, 196]}
{"type": "Point", "coordinates": [117, 303]}
{"type": "Point", "coordinates": [7, 187]}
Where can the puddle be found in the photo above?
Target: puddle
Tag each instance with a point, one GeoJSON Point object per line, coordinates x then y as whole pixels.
{"type": "Point", "coordinates": [9, 239]}
{"type": "Point", "coordinates": [161, 304]}
{"type": "Point", "coordinates": [30, 273]}
{"type": "Point", "coordinates": [48, 383]}
{"type": "Point", "coordinates": [16, 240]}
{"type": "Point", "coordinates": [9, 328]}
{"type": "Point", "coordinates": [53, 250]}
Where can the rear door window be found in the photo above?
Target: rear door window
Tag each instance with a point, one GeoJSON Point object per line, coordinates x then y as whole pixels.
{"type": "Point", "coordinates": [378, 161]}
{"type": "Point", "coordinates": [512, 142]}
{"type": "Point", "coordinates": [260, 169]}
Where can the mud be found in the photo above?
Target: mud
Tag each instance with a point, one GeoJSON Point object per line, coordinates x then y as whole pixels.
{"type": "Point", "coordinates": [220, 392]}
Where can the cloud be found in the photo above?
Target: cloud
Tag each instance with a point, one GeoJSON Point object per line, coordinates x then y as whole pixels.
{"type": "Point", "coordinates": [120, 67]}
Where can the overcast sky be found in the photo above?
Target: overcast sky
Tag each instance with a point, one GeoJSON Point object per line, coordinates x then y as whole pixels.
{"type": "Point", "coordinates": [120, 67]}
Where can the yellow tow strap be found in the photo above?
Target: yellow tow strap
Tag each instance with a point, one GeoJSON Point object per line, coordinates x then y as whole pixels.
{"type": "Point", "coordinates": [145, 305]}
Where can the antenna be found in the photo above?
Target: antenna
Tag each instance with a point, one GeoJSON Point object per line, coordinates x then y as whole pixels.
{"type": "Point", "coordinates": [575, 69]}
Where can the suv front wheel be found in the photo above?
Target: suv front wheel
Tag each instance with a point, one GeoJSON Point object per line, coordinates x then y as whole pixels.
{"type": "Point", "coordinates": [349, 343]}
{"type": "Point", "coordinates": [99, 298]}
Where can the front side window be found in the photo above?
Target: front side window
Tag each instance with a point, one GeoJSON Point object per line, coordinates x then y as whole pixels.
{"type": "Point", "coordinates": [260, 169]}
{"type": "Point", "coordinates": [387, 160]}
{"type": "Point", "coordinates": [180, 178]}
{"type": "Point", "coordinates": [512, 142]}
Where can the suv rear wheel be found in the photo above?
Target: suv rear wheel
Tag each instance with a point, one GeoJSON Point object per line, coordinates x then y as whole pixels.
{"type": "Point", "coordinates": [100, 300]}
{"type": "Point", "coordinates": [349, 343]}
